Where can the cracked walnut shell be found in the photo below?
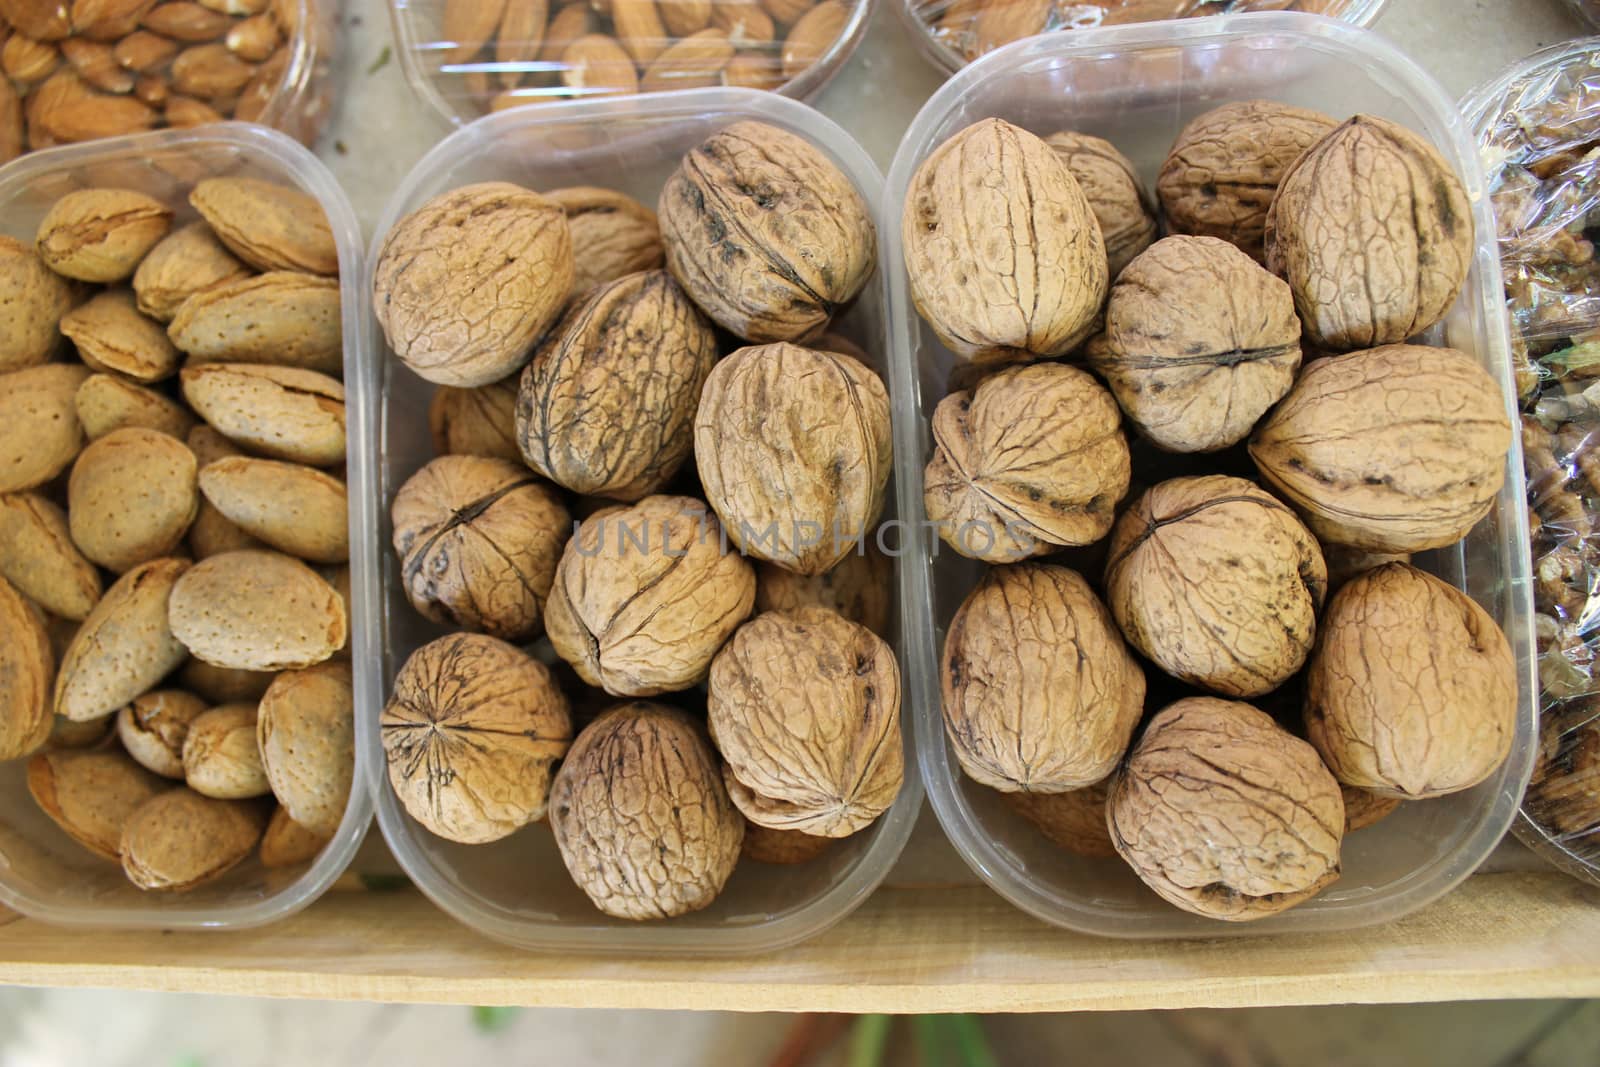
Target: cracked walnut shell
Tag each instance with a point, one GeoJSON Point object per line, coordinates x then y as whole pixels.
{"type": "Point", "coordinates": [641, 816]}
{"type": "Point", "coordinates": [1003, 252]}
{"type": "Point", "coordinates": [1200, 341]}
{"type": "Point", "coordinates": [805, 708]}
{"type": "Point", "coordinates": [471, 732]}
{"type": "Point", "coordinates": [1218, 582]}
{"type": "Point", "coordinates": [1395, 449]}
{"type": "Point", "coordinates": [1205, 764]}
{"type": "Point", "coordinates": [1119, 200]}
{"type": "Point", "coordinates": [1030, 460]}
{"type": "Point", "coordinates": [1412, 692]}
{"type": "Point", "coordinates": [1040, 693]}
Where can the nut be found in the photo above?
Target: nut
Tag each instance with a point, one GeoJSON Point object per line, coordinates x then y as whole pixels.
{"type": "Point", "coordinates": [694, 62]}
{"type": "Point", "coordinates": [257, 611]}
{"type": "Point", "coordinates": [38, 557]}
{"type": "Point", "coordinates": [644, 596]}
{"type": "Point", "coordinates": [180, 839]}
{"type": "Point", "coordinates": [596, 65]}
{"type": "Point", "coordinates": [476, 422]}
{"type": "Point", "coordinates": [90, 795]}
{"type": "Point", "coordinates": [469, 24]}
{"type": "Point", "coordinates": [27, 667]}
{"type": "Point", "coordinates": [96, 65]}
{"type": "Point", "coordinates": [1119, 200]}
{"type": "Point", "coordinates": [607, 406]}
{"type": "Point", "coordinates": [190, 22]}
{"type": "Point", "coordinates": [618, 235]}
{"type": "Point", "coordinates": [124, 647]}
{"type": "Point", "coordinates": [282, 318]}
{"type": "Point", "coordinates": [211, 534]}
{"type": "Point", "coordinates": [144, 52]}
{"type": "Point", "coordinates": [1204, 763]}
{"type": "Point", "coordinates": [1396, 449]}
{"type": "Point", "coordinates": [220, 756]}
{"type": "Point", "coordinates": [219, 685]}
{"type": "Point", "coordinates": [1040, 694]}
{"type": "Point", "coordinates": [1412, 691]}
{"type": "Point", "coordinates": [1217, 582]}
{"type": "Point", "coordinates": [641, 816]}
{"type": "Point", "coordinates": [43, 20]}
{"type": "Point", "coordinates": [472, 732]}
{"type": "Point", "coordinates": [65, 109]}
{"type": "Point", "coordinates": [131, 497]}
{"type": "Point", "coordinates": [26, 59]}
{"type": "Point", "coordinates": [1219, 178]}
{"type": "Point", "coordinates": [1075, 820]}
{"type": "Point", "coordinates": [478, 541]}
{"type": "Point", "coordinates": [812, 35]}
{"type": "Point", "coordinates": [639, 28]}
{"type": "Point", "coordinates": [1373, 231]}
{"type": "Point", "coordinates": [859, 587]}
{"type": "Point", "coordinates": [283, 412]}
{"type": "Point", "coordinates": [308, 744]}
{"type": "Point", "coordinates": [519, 37]}
{"type": "Point", "coordinates": [66, 734]}
{"type": "Point", "coordinates": [1363, 808]}
{"type": "Point", "coordinates": [189, 260]}
{"type": "Point", "coordinates": [793, 449]}
{"type": "Point", "coordinates": [293, 508]}
{"type": "Point", "coordinates": [32, 300]}
{"type": "Point", "coordinates": [286, 843]}
{"type": "Point", "coordinates": [1200, 341]}
{"type": "Point", "coordinates": [684, 18]}
{"type": "Point", "coordinates": [752, 71]}
{"type": "Point", "coordinates": [106, 403]}
{"type": "Point", "coordinates": [805, 708]}
{"type": "Point", "coordinates": [111, 335]}
{"type": "Point", "coordinates": [762, 844]}
{"type": "Point", "coordinates": [254, 39]}
{"type": "Point", "coordinates": [153, 728]}
{"type": "Point", "coordinates": [1003, 21]}
{"type": "Point", "coordinates": [747, 26]}
{"type": "Point", "coordinates": [766, 233]}
{"type": "Point", "coordinates": [271, 227]}
{"type": "Point", "coordinates": [99, 235]}
{"type": "Point", "coordinates": [994, 291]}
{"type": "Point", "coordinates": [465, 285]}
{"type": "Point", "coordinates": [40, 434]}
{"type": "Point", "coordinates": [1031, 460]}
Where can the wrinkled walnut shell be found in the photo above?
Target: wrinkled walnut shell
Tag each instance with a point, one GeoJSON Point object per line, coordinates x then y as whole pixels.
{"type": "Point", "coordinates": [860, 587]}
{"type": "Point", "coordinates": [1075, 820]}
{"type": "Point", "coordinates": [1119, 200]}
{"type": "Point", "coordinates": [763, 844]}
{"type": "Point", "coordinates": [1364, 808]}
{"type": "Point", "coordinates": [613, 235]}
{"type": "Point", "coordinates": [476, 422]}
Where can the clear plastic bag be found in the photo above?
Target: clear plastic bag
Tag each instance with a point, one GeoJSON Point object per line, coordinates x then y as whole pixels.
{"type": "Point", "coordinates": [1588, 10]}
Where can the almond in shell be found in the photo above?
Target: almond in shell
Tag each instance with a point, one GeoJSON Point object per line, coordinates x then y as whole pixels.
{"type": "Point", "coordinates": [40, 434]}
{"type": "Point", "coordinates": [152, 729]}
{"type": "Point", "coordinates": [281, 412]}
{"type": "Point", "coordinates": [106, 403]}
{"type": "Point", "coordinates": [190, 260]}
{"type": "Point", "coordinates": [111, 335]}
{"type": "Point", "coordinates": [37, 556]}
{"type": "Point", "coordinates": [99, 235]}
{"type": "Point", "coordinates": [131, 497]}
{"type": "Point", "coordinates": [27, 665]}
{"type": "Point", "coordinates": [287, 843]}
{"type": "Point", "coordinates": [223, 685]}
{"type": "Point", "coordinates": [268, 225]}
{"type": "Point", "coordinates": [292, 507]}
{"type": "Point", "coordinates": [306, 735]}
{"type": "Point", "coordinates": [91, 795]}
{"type": "Point", "coordinates": [282, 317]}
{"type": "Point", "coordinates": [124, 647]}
{"type": "Point", "coordinates": [257, 611]}
{"type": "Point", "coordinates": [32, 300]}
{"type": "Point", "coordinates": [180, 839]}
{"type": "Point", "coordinates": [220, 756]}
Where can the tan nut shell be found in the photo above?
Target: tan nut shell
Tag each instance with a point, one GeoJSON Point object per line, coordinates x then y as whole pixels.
{"type": "Point", "coordinates": [257, 611]}
{"type": "Point", "coordinates": [222, 685]}
{"type": "Point", "coordinates": [471, 734]}
{"type": "Point", "coordinates": [124, 647]}
{"type": "Point", "coordinates": [307, 738]}
{"type": "Point", "coordinates": [40, 434]}
{"type": "Point", "coordinates": [1204, 763]}
{"type": "Point", "coordinates": [1121, 204]}
{"type": "Point", "coordinates": [1040, 695]}
{"type": "Point", "coordinates": [180, 839]}
{"type": "Point", "coordinates": [1412, 692]}
{"type": "Point", "coordinates": [131, 497]}
{"type": "Point", "coordinates": [283, 412]}
{"type": "Point", "coordinates": [32, 300]}
{"type": "Point", "coordinates": [27, 667]}
{"type": "Point", "coordinates": [476, 422]}
{"type": "Point", "coordinates": [805, 708]}
{"type": "Point", "coordinates": [107, 402]}
{"type": "Point", "coordinates": [607, 406]}
{"type": "Point", "coordinates": [153, 728]}
{"type": "Point", "coordinates": [640, 622]}
{"type": "Point", "coordinates": [269, 226]}
{"type": "Point", "coordinates": [99, 235]}
{"type": "Point", "coordinates": [1002, 250]}
{"type": "Point", "coordinates": [111, 335]}
{"type": "Point", "coordinates": [91, 795]}
{"type": "Point", "coordinates": [641, 816]}
{"type": "Point", "coordinates": [762, 844]}
{"type": "Point", "coordinates": [284, 319]}
{"type": "Point", "coordinates": [766, 233]}
{"type": "Point", "coordinates": [1363, 808]}
{"type": "Point", "coordinates": [220, 756]}
{"type": "Point", "coordinates": [1373, 231]}
{"type": "Point", "coordinates": [286, 843]}
{"type": "Point", "coordinates": [786, 436]}
{"type": "Point", "coordinates": [613, 234]}
{"type": "Point", "coordinates": [1031, 460]}
{"type": "Point", "coordinates": [189, 260]}
{"type": "Point", "coordinates": [1216, 581]}
{"type": "Point", "coordinates": [67, 735]}
{"type": "Point", "coordinates": [1395, 449]}
{"type": "Point", "coordinates": [38, 557]}
{"type": "Point", "coordinates": [478, 541]}
{"type": "Point", "coordinates": [294, 508]}
{"type": "Point", "coordinates": [860, 587]}
{"type": "Point", "coordinates": [1075, 820]}
{"type": "Point", "coordinates": [466, 284]}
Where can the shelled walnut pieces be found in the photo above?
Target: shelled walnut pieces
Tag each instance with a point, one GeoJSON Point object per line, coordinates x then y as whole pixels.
{"type": "Point", "coordinates": [675, 510]}
{"type": "Point", "coordinates": [1358, 460]}
{"type": "Point", "coordinates": [137, 511]}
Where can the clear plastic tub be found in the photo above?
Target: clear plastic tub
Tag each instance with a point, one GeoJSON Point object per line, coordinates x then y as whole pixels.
{"type": "Point", "coordinates": [1143, 83]}
{"type": "Point", "coordinates": [463, 88]}
{"type": "Point", "coordinates": [43, 873]}
{"type": "Point", "coordinates": [517, 890]}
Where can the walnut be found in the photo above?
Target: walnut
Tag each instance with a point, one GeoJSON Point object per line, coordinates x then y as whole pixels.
{"type": "Point", "coordinates": [1216, 581]}
{"type": "Point", "coordinates": [645, 595]}
{"type": "Point", "coordinates": [766, 233]}
{"type": "Point", "coordinates": [1200, 341]}
{"type": "Point", "coordinates": [1074, 820]}
{"type": "Point", "coordinates": [860, 587]}
{"type": "Point", "coordinates": [763, 844]}
{"type": "Point", "coordinates": [1373, 231]}
{"type": "Point", "coordinates": [1412, 691]}
{"type": "Point", "coordinates": [641, 816]}
{"type": "Point", "coordinates": [1363, 808]}
{"type": "Point", "coordinates": [1225, 814]}
{"type": "Point", "coordinates": [1219, 178]}
{"type": "Point", "coordinates": [1030, 460]}
{"type": "Point", "coordinates": [613, 235]}
{"type": "Point", "coordinates": [478, 540]}
{"type": "Point", "coordinates": [1119, 200]}
{"type": "Point", "coordinates": [476, 422]}
{"type": "Point", "coordinates": [607, 406]}
{"type": "Point", "coordinates": [1003, 254]}
{"type": "Point", "coordinates": [1396, 449]}
{"type": "Point", "coordinates": [1344, 562]}
{"type": "Point", "coordinates": [1040, 693]}
{"type": "Point", "coordinates": [793, 449]}
{"type": "Point", "coordinates": [805, 708]}
{"type": "Point", "coordinates": [1564, 795]}
{"type": "Point", "coordinates": [465, 285]}
{"type": "Point", "coordinates": [471, 733]}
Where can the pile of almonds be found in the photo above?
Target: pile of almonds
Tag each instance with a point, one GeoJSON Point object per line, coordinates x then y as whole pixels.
{"type": "Point", "coordinates": [173, 531]}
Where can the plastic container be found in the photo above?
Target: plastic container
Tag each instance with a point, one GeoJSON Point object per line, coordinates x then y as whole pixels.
{"type": "Point", "coordinates": [946, 30]}
{"type": "Point", "coordinates": [1168, 74]}
{"type": "Point", "coordinates": [1588, 10]}
{"type": "Point", "coordinates": [517, 890]}
{"type": "Point", "coordinates": [464, 87]}
{"type": "Point", "coordinates": [1538, 124]}
{"type": "Point", "coordinates": [43, 873]}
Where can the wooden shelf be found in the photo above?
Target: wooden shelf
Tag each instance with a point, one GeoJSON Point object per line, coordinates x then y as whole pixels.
{"type": "Point", "coordinates": [1508, 935]}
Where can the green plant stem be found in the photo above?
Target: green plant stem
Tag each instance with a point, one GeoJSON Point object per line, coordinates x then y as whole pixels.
{"type": "Point", "coordinates": [868, 1040]}
{"type": "Point", "coordinates": [971, 1040]}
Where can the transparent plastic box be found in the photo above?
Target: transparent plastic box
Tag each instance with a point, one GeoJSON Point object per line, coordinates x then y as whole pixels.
{"type": "Point", "coordinates": [43, 873]}
{"type": "Point", "coordinates": [517, 889]}
{"type": "Point", "coordinates": [1137, 86]}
